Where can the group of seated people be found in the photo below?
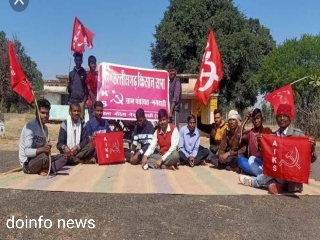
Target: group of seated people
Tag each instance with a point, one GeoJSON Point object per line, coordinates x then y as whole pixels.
{"type": "Point", "coordinates": [163, 146]}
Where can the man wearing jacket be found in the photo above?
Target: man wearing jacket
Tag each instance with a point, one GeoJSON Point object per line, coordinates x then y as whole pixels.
{"type": "Point", "coordinates": [77, 86]}
{"type": "Point", "coordinates": [73, 139]}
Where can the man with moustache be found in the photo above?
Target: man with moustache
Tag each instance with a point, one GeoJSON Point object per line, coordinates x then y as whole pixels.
{"type": "Point", "coordinates": [175, 91]}
{"type": "Point", "coordinates": [34, 149]}
{"type": "Point", "coordinates": [73, 139]}
{"type": "Point", "coordinates": [230, 147]}
{"type": "Point", "coordinates": [167, 137]}
{"type": "Point", "coordinates": [277, 186]}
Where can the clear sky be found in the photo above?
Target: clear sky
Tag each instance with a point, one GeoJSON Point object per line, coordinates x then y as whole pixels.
{"type": "Point", "coordinates": [124, 28]}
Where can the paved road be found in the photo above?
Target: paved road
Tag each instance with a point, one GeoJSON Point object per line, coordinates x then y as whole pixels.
{"type": "Point", "coordinates": [159, 216]}
{"type": "Point", "coordinates": [125, 216]}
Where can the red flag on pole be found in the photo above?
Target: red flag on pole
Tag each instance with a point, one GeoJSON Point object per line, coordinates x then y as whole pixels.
{"type": "Point", "coordinates": [81, 36]}
{"type": "Point", "coordinates": [283, 95]}
{"type": "Point", "coordinates": [211, 71]}
{"type": "Point", "coordinates": [19, 82]}
{"type": "Point", "coordinates": [287, 158]}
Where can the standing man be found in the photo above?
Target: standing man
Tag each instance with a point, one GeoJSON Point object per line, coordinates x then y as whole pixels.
{"type": "Point", "coordinates": [34, 149]}
{"type": "Point", "coordinates": [174, 96]}
{"type": "Point", "coordinates": [91, 80]}
{"type": "Point", "coordinates": [77, 87]}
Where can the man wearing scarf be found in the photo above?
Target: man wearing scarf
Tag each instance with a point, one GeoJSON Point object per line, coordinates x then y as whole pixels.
{"type": "Point", "coordinates": [230, 147]}
{"type": "Point", "coordinates": [73, 139]}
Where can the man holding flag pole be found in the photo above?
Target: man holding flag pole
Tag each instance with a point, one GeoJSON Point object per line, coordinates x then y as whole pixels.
{"type": "Point", "coordinates": [286, 162]}
{"type": "Point", "coordinates": [77, 86]}
{"type": "Point", "coordinates": [34, 145]}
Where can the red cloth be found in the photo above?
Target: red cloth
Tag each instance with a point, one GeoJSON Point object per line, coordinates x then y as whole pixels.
{"type": "Point", "coordinates": [164, 140]}
{"type": "Point", "coordinates": [92, 80]}
{"type": "Point", "coordinates": [81, 36]}
{"type": "Point", "coordinates": [287, 158]}
{"type": "Point", "coordinates": [19, 82]}
{"type": "Point", "coordinates": [109, 147]}
{"type": "Point", "coordinates": [285, 109]}
{"type": "Point", "coordinates": [283, 95]}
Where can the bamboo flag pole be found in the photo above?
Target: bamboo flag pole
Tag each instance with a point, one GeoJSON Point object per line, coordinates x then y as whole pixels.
{"type": "Point", "coordinates": [256, 105]}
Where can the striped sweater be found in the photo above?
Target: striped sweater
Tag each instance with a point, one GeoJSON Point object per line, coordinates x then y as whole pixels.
{"type": "Point", "coordinates": [142, 135]}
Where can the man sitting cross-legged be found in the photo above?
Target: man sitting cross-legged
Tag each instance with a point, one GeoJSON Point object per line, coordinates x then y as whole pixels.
{"type": "Point", "coordinates": [167, 137]}
{"type": "Point", "coordinates": [142, 134]}
{"type": "Point", "coordinates": [34, 149]}
{"type": "Point", "coordinates": [276, 186]}
{"type": "Point", "coordinates": [74, 140]}
{"type": "Point", "coordinates": [230, 147]}
{"type": "Point", "coordinates": [190, 150]}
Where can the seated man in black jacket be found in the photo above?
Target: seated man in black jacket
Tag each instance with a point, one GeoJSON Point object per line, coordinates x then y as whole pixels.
{"type": "Point", "coordinates": [73, 139]}
{"type": "Point", "coordinates": [142, 134]}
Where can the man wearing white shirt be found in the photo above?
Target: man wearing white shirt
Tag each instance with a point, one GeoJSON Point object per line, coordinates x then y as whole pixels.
{"type": "Point", "coordinates": [167, 137]}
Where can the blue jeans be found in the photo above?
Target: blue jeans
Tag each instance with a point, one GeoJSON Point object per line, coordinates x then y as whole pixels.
{"type": "Point", "coordinates": [253, 165]}
{"type": "Point", "coordinates": [262, 181]}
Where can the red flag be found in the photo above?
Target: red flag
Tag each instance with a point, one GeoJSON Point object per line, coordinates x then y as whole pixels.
{"type": "Point", "coordinates": [81, 36]}
{"type": "Point", "coordinates": [210, 72]}
{"type": "Point", "coordinates": [19, 82]}
{"type": "Point", "coordinates": [283, 95]}
{"type": "Point", "coordinates": [287, 158]}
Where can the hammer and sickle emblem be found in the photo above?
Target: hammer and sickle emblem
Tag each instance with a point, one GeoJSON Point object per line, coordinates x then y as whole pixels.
{"type": "Point", "coordinates": [115, 147]}
{"type": "Point", "coordinates": [294, 161]}
{"type": "Point", "coordinates": [117, 99]}
{"type": "Point", "coordinates": [212, 74]}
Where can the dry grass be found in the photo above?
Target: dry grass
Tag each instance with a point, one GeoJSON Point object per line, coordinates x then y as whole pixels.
{"type": "Point", "coordinates": [14, 124]}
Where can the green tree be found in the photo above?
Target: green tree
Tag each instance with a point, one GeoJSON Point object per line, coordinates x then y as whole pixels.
{"type": "Point", "coordinates": [292, 60]}
{"type": "Point", "coordinates": [7, 96]}
{"type": "Point", "coordinates": [181, 37]}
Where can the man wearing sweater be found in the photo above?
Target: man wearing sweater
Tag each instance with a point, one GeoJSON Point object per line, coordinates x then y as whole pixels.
{"type": "Point", "coordinates": [73, 139]}
{"type": "Point", "coordinates": [167, 137]}
{"type": "Point", "coordinates": [77, 86]}
{"type": "Point", "coordinates": [142, 134]}
{"type": "Point", "coordinates": [34, 149]}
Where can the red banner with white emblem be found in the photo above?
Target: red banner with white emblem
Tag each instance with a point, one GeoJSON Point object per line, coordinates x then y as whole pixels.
{"type": "Point", "coordinates": [210, 71]}
{"type": "Point", "coordinates": [287, 158]}
{"type": "Point", "coordinates": [19, 82]}
{"type": "Point", "coordinates": [81, 36]}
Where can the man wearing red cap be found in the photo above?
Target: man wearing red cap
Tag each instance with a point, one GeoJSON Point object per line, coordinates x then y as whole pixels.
{"type": "Point", "coordinates": [284, 116]}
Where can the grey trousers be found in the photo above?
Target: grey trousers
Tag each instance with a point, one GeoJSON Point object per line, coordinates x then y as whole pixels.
{"type": "Point", "coordinates": [86, 152]}
{"type": "Point", "coordinates": [172, 159]}
{"type": "Point", "coordinates": [36, 164]}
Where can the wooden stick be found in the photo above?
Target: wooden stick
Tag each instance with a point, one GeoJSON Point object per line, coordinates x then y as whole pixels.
{"type": "Point", "coordinates": [299, 80]}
